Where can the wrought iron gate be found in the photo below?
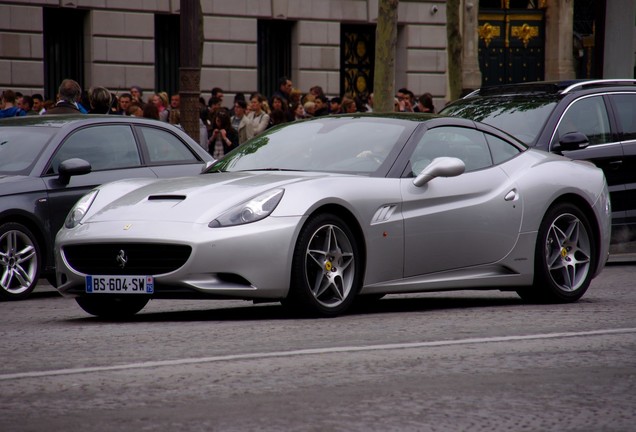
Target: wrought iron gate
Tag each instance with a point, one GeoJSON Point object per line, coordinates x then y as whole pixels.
{"type": "Point", "coordinates": [357, 59]}
{"type": "Point", "coordinates": [511, 46]}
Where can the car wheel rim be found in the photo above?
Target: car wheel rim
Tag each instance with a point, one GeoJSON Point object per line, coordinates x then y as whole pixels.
{"type": "Point", "coordinates": [568, 252]}
{"type": "Point", "coordinates": [329, 266]}
{"type": "Point", "coordinates": [18, 262]}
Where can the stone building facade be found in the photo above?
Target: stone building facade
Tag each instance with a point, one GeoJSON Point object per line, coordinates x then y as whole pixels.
{"type": "Point", "coordinates": [119, 42]}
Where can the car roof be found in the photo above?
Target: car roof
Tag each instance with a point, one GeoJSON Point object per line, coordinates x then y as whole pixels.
{"type": "Point", "coordinates": [61, 120]}
{"type": "Point", "coordinates": [416, 118]}
{"type": "Point", "coordinates": [551, 87]}
{"type": "Point", "coordinates": [413, 116]}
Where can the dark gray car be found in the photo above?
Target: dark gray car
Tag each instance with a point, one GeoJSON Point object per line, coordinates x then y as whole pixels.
{"type": "Point", "coordinates": [48, 162]}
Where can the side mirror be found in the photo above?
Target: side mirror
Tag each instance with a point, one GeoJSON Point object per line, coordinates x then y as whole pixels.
{"type": "Point", "coordinates": [572, 141]}
{"type": "Point", "coordinates": [440, 167]}
{"type": "Point", "coordinates": [73, 167]}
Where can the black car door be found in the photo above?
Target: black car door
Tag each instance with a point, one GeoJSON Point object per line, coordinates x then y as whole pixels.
{"type": "Point", "coordinates": [113, 154]}
{"type": "Point", "coordinates": [624, 107]}
{"type": "Point", "coordinates": [589, 115]}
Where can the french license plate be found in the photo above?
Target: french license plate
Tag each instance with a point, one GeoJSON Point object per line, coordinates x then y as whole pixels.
{"type": "Point", "coordinates": [120, 284]}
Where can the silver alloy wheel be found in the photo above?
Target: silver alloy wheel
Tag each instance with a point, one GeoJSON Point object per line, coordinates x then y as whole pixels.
{"type": "Point", "coordinates": [18, 262]}
{"type": "Point", "coordinates": [568, 251]}
{"type": "Point", "coordinates": [330, 266]}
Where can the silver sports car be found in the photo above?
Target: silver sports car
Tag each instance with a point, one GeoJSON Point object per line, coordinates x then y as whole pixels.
{"type": "Point", "coordinates": [319, 213]}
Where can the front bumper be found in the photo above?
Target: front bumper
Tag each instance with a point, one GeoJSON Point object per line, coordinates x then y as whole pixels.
{"type": "Point", "coordinates": [251, 261]}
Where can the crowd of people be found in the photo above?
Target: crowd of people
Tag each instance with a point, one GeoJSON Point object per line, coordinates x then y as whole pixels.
{"type": "Point", "coordinates": [223, 128]}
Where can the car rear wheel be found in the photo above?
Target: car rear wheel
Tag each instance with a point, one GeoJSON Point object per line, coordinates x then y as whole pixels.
{"type": "Point", "coordinates": [112, 307]}
{"type": "Point", "coordinates": [19, 261]}
{"type": "Point", "coordinates": [326, 268]}
{"type": "Point", "coordinates": [565, 257]}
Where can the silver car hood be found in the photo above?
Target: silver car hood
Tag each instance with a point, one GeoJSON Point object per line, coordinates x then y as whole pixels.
{"type": "Point", "coordinates": [198, 199]}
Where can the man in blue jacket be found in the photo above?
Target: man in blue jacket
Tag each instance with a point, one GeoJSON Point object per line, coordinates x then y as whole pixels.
{"type": "Point", "coordinates": [8, 105]}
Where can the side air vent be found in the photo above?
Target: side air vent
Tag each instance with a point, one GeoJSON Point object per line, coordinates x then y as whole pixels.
{"type": "Point", "coordinates": [383, 214]}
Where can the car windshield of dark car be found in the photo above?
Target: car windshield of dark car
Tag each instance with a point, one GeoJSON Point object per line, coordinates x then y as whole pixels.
{"type": "Point", "coordinates": [348, 145]}
{"type": "Point", "coordinates": [20, 148]}
{"type": "Point", "coordinates": [521, 116]}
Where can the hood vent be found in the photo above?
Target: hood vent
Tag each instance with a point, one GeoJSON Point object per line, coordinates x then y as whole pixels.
{"type": "Point", "coordinates": [166, 197]}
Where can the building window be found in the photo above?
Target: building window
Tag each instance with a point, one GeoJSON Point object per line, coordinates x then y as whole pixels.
{"type": "Point", "coordinates": [63, 48]}
{"type": "Point", "coordinates": [274, 54]}
{"type": "Point", "coordinates": [167, 61]}
{"type": "Point", "coordinates": [357, 60]}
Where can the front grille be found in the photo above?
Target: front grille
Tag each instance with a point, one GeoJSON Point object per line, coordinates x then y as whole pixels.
{"type": "Point", "coordinates": [140, 258]}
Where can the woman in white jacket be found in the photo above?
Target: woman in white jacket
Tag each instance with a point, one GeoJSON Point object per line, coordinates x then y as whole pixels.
{"type": "Point", "coordinates": [258, 118]}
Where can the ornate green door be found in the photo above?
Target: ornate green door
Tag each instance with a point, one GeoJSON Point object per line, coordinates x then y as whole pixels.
{"type": "Point", "coordinates": [511, 46]}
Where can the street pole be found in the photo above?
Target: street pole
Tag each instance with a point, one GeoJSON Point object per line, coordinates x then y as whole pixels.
{"type": "Point", "coordinates": [191, 48]}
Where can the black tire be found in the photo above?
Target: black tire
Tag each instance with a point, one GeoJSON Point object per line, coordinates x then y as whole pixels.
{"type": "Point", "coordinates": [20, 261]}
{"type": "Point", "coordinates": [326, 268]}
{"type": "Point", "coordinates": [112, 307]}
{"type": "Point", "coordinates": [565, 257]}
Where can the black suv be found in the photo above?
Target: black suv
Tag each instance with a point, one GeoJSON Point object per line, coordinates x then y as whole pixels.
{"type": "Point", "coordinates": [582, 119]}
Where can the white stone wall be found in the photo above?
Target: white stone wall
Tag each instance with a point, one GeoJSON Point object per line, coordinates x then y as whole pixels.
{"type": "Point", "coordinates": [422, 55]}
{"type": "Point", "coordinates": [21, 47]}
{"type": "Point", "coordinates": [120, 42]}
{"type": "Point", "coordinates": [120, 49]}
{"type": "Point", "coordinates": [618, 58]}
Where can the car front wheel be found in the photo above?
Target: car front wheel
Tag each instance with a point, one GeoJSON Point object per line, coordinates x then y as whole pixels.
{"type": "Point", "coordinates": [325, 269]}
{"type": "Point", "coordinates": [112, 307]}
{"type": "Point", "coordinates": [19, 261]}
{"type": "Point", "coordinates": [565, 257]}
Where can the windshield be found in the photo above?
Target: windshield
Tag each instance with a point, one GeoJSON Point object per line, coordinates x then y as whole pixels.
{"type": "Point", "coordinates": [20, 148]}
{"type": "Point", "coordinates": [521, 116]}
{"type": "Point", "coordinates": [358, 145]}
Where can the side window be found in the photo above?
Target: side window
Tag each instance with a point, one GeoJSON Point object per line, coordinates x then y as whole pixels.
{"type": "Point", "coordinates": [468, 145]}
{"type": "Point", "coordinates": [104, 146]}
{"type": "Point", "coordinates": [626, 112]}
{"type": "Point", "coordinates": [501, 150]}
{"type": "Point", "coordinates": [164, 147]}
{"type": "Point", "coordinates": [588, 116]}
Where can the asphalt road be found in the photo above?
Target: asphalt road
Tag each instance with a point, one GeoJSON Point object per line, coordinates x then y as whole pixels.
{"type": "Point", "coordinates": [478, 361]}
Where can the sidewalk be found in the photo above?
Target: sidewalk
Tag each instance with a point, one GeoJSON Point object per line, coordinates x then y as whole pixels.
{"type": "Point", "coordinates": [623, 252]}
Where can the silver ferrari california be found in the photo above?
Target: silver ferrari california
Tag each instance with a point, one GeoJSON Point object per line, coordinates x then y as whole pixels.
{"type": "Point", "coordinates": [319, 213]}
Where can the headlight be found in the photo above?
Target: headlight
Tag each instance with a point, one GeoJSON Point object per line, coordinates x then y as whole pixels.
{"type": "Point", "coordinates": [78, 211]}
{"type": "Point", "coordinates": [253, 210]}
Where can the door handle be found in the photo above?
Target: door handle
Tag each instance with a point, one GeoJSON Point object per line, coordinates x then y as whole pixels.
{"type": "Point", "coordinates": [615, 164]}
{"type": "Point", "coordinates": [511, 196]}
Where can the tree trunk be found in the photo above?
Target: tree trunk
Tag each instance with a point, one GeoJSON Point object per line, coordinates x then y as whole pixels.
{"type": "Point", "coordinates": [454, 50]}
{"type": "Point", "coordinates": [191, 47]}
{"type": "Point", "coordinates": [385, 47]}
